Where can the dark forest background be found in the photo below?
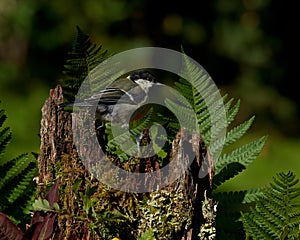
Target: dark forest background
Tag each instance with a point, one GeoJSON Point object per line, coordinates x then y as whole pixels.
{"type": "Point", "coordinates": [249, 47]}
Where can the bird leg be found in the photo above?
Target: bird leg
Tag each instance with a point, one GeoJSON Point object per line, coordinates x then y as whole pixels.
{"type": "Point", "coordinates": [137, 140]}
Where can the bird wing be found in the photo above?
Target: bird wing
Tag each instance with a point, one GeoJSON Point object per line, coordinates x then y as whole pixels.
{"type": "Point", "coordinates": [110, 96]}
{"type": "Point", "coordinates": [129, 94]}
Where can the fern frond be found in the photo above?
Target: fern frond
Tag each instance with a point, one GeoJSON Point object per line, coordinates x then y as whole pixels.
{"type": "Point", "coordinates": [83, 58]}
{"type": "Point", "coordinates": [230, 204]}
{"type": "Point", "coordinates": [24, 185]}
{"type": "Point", "coordinates": [184, 113]}
{"type": "Point", "coordinates": [277, 211]}
{"type": "Point", "coordinates": [5, 137]}
{"type": "Point", "coordinates": [20, 163]}
{"type": "Point", "coordinates": [229, 165]}
{"type": "Point", "coordinates": [124, 139]}
{"type": "Point", "coordinates": [231, 136]}
{"type": "Point", "coordinates": [197, 102]}
{"type": "Point", "coordinates": [243, 155]}
{"type": "Point", "coordinates": [237, 132]}
{"type": "Point", "coordinates": [5, 134]}
{"type": "Point", "coordinates": [237, 197]}
{"type": "Point", "coordinates": [226, 173]}
{"type": "Point", "coordinates": [260, 231]}
{"type": "Point", "coordinates": [16, 180]}
{"type": "Point", "coordinates": [216, 113]}
{"type": "Point", "coordinates": [232, 112]}
{"type": "Point", "coordinates": [203, 110]}
{"type": "Point", "coordinates": [27, 206]}
{"type": "Point", "coordinates": [2, 117]}
{"type": "Point", "coordinates": [207, 104]}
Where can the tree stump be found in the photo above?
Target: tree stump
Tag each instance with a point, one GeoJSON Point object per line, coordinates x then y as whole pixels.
{"type": "Point", "coordinates": [59, 159]}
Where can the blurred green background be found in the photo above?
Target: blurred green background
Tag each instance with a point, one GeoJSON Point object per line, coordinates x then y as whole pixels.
{"type": "Point", "coordinates": [249, 47]}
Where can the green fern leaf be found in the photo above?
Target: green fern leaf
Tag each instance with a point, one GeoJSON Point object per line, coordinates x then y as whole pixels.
{"type": "Point", "coordinates": [27, 204]}
{"type": "Point", "coordinates": [228, 172]}
{"type": "Point", "coordinates": [24, 184]}
{"type": "Point", "coordinates": [231, 136]}
{"type": "Point", "coordinates": [83, 58]}
{"type": "Point", "coordinates": [184, 113]}
{"type": "Point", "coordinates": [195, 110]}
{"type": "Point", "coordinates": [276, 214]}
{"type": "Point", "coordinates": [237, 132]}
{"type": "Point", "coordinates": [199, 110]}
{"type": "Point", "coordinates": [237, 198]}
{"type": "Point", "coordinates": [228, 211]}
{"type": "Point", "coordinates": [5, 135]}
{"type": "Point", "coordinates": [20, 163]}
{"type": "Point", "coordinates": [231, 113]}
{"type": "Point", "coordinates": [124, 139]}
{"type": "Point", "coordinates": [16, 180]}
{"type": "Point", "coordinates": [229, 165]}
{"type": "Point", "coordinates": [243, 155]}
{"type": "Point", "coordinates": [2, 117]}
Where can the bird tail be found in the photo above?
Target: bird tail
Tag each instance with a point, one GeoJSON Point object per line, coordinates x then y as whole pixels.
{"type": "Point", "coordinates": [66, 104]}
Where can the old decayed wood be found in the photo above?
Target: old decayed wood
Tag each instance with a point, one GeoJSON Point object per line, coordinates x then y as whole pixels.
{"type": "Point", "coordinates": [56, 135]}
{"type": "Point", "coordinates": [195, 187]}
{"type": "Point", "coordinates": [59, 159]}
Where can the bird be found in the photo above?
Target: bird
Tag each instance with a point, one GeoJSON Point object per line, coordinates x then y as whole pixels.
{"type": "Point", "coordinates": [121, 97]}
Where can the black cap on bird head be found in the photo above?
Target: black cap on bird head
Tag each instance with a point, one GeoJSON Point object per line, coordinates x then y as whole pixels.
{"type": "Point", "coordinates": [142, 74]}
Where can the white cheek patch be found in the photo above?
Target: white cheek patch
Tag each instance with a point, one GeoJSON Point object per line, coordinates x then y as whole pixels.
{"type": "Point", "coordinates": [145, 84]}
